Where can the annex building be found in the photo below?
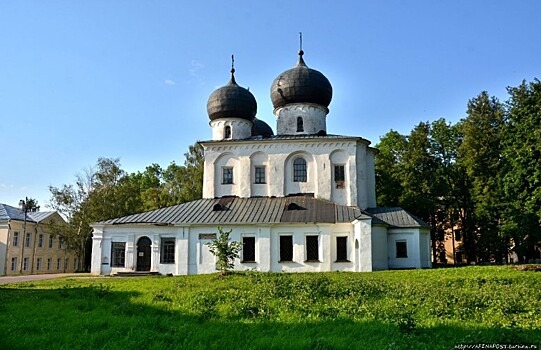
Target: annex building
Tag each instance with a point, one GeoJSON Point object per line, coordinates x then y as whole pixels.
{"type": "Point", "coordinates": [27, 245]}
{"type": "Point", "coordinates": [300, 200]}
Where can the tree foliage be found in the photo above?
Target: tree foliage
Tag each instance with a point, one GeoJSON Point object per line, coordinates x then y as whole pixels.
{"type": "Point", "coordinates": [225, 251]}
{"type": "Point", "coordinates": [107, 191]}
{"type": "Point", "coordinates": [481, 175]}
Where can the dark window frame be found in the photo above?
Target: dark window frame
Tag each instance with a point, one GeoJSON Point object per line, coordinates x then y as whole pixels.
{"type": "Point", "coordinates": [339, 175]}
{"type": "Point", "coordinates": [16, 238]}
{"type": "Point", "coordinates": [118, 254]}
{"type": "Point", "coordinates": [286, 248]}
{"type": "Point", "coordinates": [300, 124]}
{"type": "Point", "coordinates": [342, 249]}
{"type": "Point", "coordinates": [300, 170]}
{"type": "Point", "coordinates": [401, 249]}
{"type": "Point", "coordinates": [259, 174]}
{"type": "Point", "coordinates": [14, 263]}
{"type": "Point", "coordinates": [167, 250]}
{"type": "Point", "coordinates": [227, 175]}
{"type": "Point", "coordinates": [40, 240]}
{"type": "Point", "coordinates": [312, 248]}
{"type": "Point", "coordinates": [51, 241]}
{"type": "Point", "coordinates": [27, 239]}
{"type": "Point", "coordinates": [227, 132]}
{"type": "Point", "coordinates": [248, 249]}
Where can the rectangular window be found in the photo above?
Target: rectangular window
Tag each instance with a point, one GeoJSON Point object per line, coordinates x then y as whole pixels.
{"type": "Point", "coordinates": [67, 264]}
{"type": "Point", "coordinates": [401, 249]}
{"type": "Point", "coordinates": [25, 264]}
{"type": "Point", "coordinates": [227, 176]}
{"type": "Point", "coordinates": [341, 249]}
{"type": "Point", "coordinates": [339, 176]}
{"type": "Point", "coordinates": [248, 249]}
{"type": "Point", "coordinates": [60, 242]}
{"type": "Point", "coordinates": [75, 261]}
{"type": "Point", "coordinates": [15, 239]}
{"type": "Point", "coordinates": [38, 264]}
{"type": "Point", "coordinates": [259, 174]}
{"type": "Point", "coordinates": [458, 235]}
{"type": "Point", "coordinates": [312, 248]}
{"type": "Point", "coordinates": [13, 264]}
{"type": "Point", "coordinates": [286, 248]}
{"type": "Point", "coordinates": [51, 240]}
{"type": "Point", "coordinates": [49, 264]}
{"type": "Point", "coordinates": [59, 264]}
{"type": "Point", "coordinates": [27, 239]}
{"type": "Point", "coordinates": [167, 255]}
{"type": "Point", "coordinates": [40, 240]}
{"type": "Point", "coordinates": [118, 254]}
{"type": "Point", "coordinates": [299, 170]}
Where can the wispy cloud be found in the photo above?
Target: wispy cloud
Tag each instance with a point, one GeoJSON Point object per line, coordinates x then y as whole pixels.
{"type": "Point", "coordinates": [169, 82]}
{"type": "Point", "coordinates": [6, 186]}
{"type": "Point", "coordinates": [195, 72]}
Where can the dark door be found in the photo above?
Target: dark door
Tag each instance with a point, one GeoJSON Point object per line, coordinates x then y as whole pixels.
{"type": "Point", "coordinates": [143, 254]}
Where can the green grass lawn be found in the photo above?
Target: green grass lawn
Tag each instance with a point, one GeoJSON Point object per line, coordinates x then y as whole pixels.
{"type": "Point", "coordinates": [422, 309]}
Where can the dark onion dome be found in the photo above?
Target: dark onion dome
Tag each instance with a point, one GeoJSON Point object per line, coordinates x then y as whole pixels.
{"type": "Point", "coordinates": [301, 85]}
{"type": "Point", "coordinates": [232, 101]}
{"type": "Point", "coordinates": [260, 128]}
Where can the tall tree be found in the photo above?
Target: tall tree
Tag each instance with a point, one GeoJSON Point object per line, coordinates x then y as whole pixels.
{"type": "Point", "coordinates": [480, 154]}
{"type": "Point", "coordinates": [522, 178]}
{"type": "Point", "coordinates": [392, 147]}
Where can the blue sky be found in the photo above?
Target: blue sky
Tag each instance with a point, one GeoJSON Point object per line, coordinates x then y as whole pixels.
{"type": "Point", "coordinates": [130, 79]}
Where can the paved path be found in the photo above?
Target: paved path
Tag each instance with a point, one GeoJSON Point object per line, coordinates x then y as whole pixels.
{"type": "Point", "coordinates": [29, 278]}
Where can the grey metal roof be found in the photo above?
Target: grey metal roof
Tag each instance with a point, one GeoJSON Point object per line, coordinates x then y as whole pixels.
{"type": "Point", "coordinates": [7, 212]}
{"type": "Point", "coordinates": [290, 137]}
{"type": "Point", "coordinates": [396, 217]}
{"type": "Point", "coordinates": [255, 210]}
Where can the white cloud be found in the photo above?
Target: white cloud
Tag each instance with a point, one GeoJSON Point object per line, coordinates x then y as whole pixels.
{"type": "Point", "coordinates": [169, 82]}
{"type": "Point", "coordinates": [195, 69]}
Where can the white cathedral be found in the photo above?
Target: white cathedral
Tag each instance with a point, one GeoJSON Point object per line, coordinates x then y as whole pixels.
{"type": "Point", "coordinates": [302, 200]}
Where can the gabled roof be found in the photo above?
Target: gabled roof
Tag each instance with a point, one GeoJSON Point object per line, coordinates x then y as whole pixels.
{"type": "Point", "coordinates": [255, 210]}
{"type": "Point", "coordinates": [7, 212]}
{"type": "Point", "coordinates": [396, 217]}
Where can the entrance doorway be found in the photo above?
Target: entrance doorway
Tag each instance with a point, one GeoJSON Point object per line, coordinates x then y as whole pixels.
{"type": "Point", "coordinates": [143, 254]}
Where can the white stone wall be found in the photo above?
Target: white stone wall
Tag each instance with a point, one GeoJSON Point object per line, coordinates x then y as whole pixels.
{"type": "Point", "coordinates": [313, 116]}
{"type": "Point", "coordinates": [412, 237]}
{"type": "Point", "coordinates": [320, 154]}
{"type": "Point", "coordinates": [192, 255]}
{"type": "Point", "coordinates": [380, 250]}
{"type": "Point", "coordinates": [240, 128]}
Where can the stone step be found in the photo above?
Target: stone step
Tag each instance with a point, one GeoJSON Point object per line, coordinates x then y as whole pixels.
{"type": "Point", "coordinates": [136, 274]}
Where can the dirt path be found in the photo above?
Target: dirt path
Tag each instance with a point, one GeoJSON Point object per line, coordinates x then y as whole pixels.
{"type": "Point", "coordinates": [29, 278]}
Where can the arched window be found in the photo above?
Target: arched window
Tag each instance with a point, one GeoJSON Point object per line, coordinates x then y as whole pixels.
{"type": "Point", "coordinates": [299, 170]}
{"type": "Point", "coordinates": [227, 132]}
{"type": "Point", "coordinates": [300, 124]}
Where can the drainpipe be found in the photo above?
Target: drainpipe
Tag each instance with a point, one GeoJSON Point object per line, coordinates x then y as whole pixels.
{"type": "Point", "coordinates": [7, 248]}
{"type": "Point", "coordinates": [34, 249]}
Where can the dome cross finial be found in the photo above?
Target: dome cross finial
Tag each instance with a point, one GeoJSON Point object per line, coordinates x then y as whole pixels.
{"type": "Point", "coordinates": [232, 70]}
{"type": "Point", "coordinates": [300, 45]}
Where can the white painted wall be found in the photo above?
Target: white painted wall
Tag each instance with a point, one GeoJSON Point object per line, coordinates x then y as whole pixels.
{"type": "Point", "coordinates": [411, 236]}
{"type": "Point", "coordinates": [278, 156]}
{"type": "Point", "coordinates": [314, 118]}
{"type": "Point", "coordinates": [192, 255]}
{"type": "Point", "coordinates": [380, 251]}
{"type": "Point", "coordinates": [240, 128]}
{"type": "Point", "coordinates": [424, 247]}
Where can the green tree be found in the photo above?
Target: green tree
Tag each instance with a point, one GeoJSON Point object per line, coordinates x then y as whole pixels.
{"type": "Point", "coordinates": [522, 178]}
{"type": "Point", "coordinates": [392, 147]}
{"type": "Point", "coordinates": [480, 155]}
{"type": "Point", "coordinates": [225, 250]}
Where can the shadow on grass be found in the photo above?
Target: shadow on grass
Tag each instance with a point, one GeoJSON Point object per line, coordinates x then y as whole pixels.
{"type": "Point", "coordinates": [96, 317]}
